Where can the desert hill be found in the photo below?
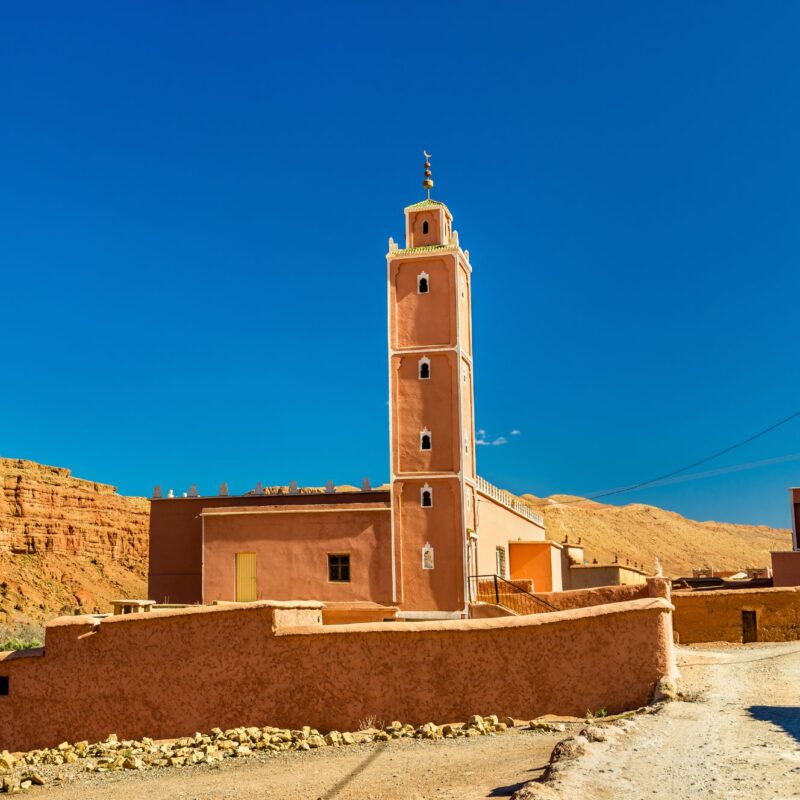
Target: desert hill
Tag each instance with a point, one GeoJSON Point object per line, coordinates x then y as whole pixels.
{"type": "Point", "coordinates": [66, 543]}
{"type": "Point", "coordinates": [643, 533]}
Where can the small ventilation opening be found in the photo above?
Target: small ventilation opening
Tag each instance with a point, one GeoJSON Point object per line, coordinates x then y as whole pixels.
{"type": "Point", "coordinates": [425, 442]}
{"type": "Point", "coordinates": [427, 498]}
{"type": "Point", "coordinates": [424, 370]}
{"type": "Point", "coordinates": [422, 283]}
{"type": "Point", "coordinates": [3, 685]}
{"type": "Point", "coordinates": [425, 226]}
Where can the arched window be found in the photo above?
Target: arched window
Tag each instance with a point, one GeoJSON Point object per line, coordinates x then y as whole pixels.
{"type": "Point", "coordinates": [424, 369]}
{"type": "Point", "coordinates": [426, 496]}
{"type": "Point", "coordinates": [425, 226]}
{"type": "Point", "coordinates": [425, 440]}
{"type": "Point", "coordinates": [422, 283]}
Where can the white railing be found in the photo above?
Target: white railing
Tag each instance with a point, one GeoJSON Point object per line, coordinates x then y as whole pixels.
{"type": "Point", "coordinates": [508, 500]}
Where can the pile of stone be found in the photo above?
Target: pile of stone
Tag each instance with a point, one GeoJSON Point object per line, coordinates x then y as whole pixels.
{"type": "Point", "coordinates": [113, 754]}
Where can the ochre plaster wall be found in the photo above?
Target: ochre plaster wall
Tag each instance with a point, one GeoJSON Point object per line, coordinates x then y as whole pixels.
{"type": "Point", "coordinates": [292, 547]}
{"type": "Point", "coordinates": [539, 562]}
{"type": "Point", "coordinates": [497, 526]}
{"type": "Point", "coordinates": [168, 674]}
{"type": "Point", "coordinates": [786, 568]}
{"type": "Point", "coordinates": [717, 616]}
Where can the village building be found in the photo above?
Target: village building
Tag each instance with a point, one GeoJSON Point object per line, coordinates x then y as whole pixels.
{"type": "Point", "coordinates": [786, 563]}
{"type": "Point", "coordinates": [434, 542]}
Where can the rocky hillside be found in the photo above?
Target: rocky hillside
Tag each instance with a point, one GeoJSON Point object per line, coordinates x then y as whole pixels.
{"type": "Point", "coordinates": [643, 533]}
{"type": "Point", "coordinates": [66, 543]}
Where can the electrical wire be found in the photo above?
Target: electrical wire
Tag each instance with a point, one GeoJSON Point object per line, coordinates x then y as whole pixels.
{"type": "Point", "coordinates": [694, 464]}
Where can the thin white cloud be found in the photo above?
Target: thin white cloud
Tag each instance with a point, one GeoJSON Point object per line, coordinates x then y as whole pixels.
{"type": "Point", "coordinates": [500, 440]}
{"type": "Point", "coordinates": [481, 433]}
{"type": "Point", "coordinates": [516, 432]}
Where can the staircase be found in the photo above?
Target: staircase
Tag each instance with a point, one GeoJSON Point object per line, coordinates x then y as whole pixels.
{"type": "Point", "coordinates": [498, 591]}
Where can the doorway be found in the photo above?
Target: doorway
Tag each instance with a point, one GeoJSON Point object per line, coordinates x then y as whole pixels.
{"type": "Point", "coordinates": [246, 577]}
{"type": "Point", "coordinates": [749, 627]}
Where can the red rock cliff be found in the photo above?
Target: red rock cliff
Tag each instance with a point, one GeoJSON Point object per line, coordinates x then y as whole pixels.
{"type": "Point", "coordinates": [66, 543]}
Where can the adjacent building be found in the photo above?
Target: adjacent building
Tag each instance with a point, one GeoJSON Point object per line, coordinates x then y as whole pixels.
{"type": "Point", "coordinates": [786, 563]}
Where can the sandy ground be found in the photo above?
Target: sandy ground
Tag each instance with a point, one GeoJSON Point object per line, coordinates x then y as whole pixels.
{"type": "Point", "coordinates": [741, 738]}
{"type": "Point", "coordinates": [486, 766]}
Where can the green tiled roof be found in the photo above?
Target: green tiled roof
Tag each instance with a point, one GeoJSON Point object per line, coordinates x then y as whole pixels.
{"type": "Point", "coordinates": [424, 204]}
{"type": "Point", "coordinates": [428, 248]}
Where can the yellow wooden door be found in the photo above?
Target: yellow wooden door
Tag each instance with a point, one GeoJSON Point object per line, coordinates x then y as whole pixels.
{"type": "Point", "coordinates": [245, 577]}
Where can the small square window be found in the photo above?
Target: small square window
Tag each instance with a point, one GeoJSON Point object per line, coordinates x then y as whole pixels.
{"type": "Point", "coordinates": [3, 685]}
{"type": "Point", "coordinates": [339, 568]}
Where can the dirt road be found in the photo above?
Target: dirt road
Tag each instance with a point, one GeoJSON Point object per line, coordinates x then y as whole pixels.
{"type": "Point", "coordinates": [467, 769]}
{"type": "Point", "coordinates": [740, 739]}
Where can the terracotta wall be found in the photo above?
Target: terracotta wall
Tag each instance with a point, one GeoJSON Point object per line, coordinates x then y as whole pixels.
{"type": "Point", "coordinates": [167, 674]}
{"type": "Point", "coordinates": [176, 552]}
{"type": "Point", "coordinates": [292, 545]}
{"type": "Point", "coordinates": [716, 616]}
{"type": "Point", "coordinates": [584, 598]}
{"type": "Point", "coordinates": [440, 588]}
{"type": "Point", "coordinates": [786, 568]}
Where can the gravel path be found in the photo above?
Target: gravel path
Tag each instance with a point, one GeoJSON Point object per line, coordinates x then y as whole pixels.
{"type": "Point", "coordinates": [740, 738]}
{"type": "Point", "coordinates": [467, 769]}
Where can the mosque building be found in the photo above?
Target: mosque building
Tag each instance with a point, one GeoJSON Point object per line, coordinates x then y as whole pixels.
{"type": "Point", "coordinates": [433, 542]}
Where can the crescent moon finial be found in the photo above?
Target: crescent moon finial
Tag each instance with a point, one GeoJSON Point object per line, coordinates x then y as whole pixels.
{"type": "Point", "coordinates": [428, 182]}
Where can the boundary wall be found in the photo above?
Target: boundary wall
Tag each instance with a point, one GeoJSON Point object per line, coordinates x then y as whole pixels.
{"type": "Point", "coordinates": [167, 674]}
{"type": "Point", "coordinates": [586, 598]}
{"type": "Point", "coordinates": [716, 616]}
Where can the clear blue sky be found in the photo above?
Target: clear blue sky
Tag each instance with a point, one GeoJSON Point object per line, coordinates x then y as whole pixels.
{"type": "Point", "coordinates": [197, 198]}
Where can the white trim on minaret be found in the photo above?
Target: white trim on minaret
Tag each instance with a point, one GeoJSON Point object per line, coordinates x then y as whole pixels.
{"type": "Point", "coordinates": [422, 435]}
{"type": "Point", "coordinates": [424, 362]}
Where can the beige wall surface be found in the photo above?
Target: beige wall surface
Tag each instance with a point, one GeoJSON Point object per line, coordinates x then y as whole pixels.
{"type": "Point", "coordinates": [716, 616]}
{"type": "Point", "coordinates": [589, 576]}
{"type": "Point", "coordinates": [292, 548]}
{"type": "Point", "coordinates": [168, 674]}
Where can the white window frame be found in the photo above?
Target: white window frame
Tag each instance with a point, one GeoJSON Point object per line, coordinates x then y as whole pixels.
{"type": "Point", "coordinates": [425, 488]}
{"type": "Point", "coordinates": [422, 434]}
{"type": "Point", "coordinates": [424, 360]}
{"type": "Point", "coordinates": [427, 283]}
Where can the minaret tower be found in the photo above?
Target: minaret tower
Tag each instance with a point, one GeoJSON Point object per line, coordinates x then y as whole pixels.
{"type": "Point", "coordinates": [432, 427]}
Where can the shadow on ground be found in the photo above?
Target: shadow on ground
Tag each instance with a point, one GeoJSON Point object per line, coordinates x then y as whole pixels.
{"type": "Point", "coordinates": [786, 717]}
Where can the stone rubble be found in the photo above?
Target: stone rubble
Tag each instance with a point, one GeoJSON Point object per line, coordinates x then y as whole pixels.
{"type": "Point", "coordinates": [113, 754]}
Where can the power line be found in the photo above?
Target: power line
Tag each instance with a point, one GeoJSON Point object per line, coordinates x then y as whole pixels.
{"type": "Point", "coordinates": [694, 464]}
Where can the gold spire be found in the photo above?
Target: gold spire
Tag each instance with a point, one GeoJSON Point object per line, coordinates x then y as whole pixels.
{"type": "Point", "coordinates": [428, 182]}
